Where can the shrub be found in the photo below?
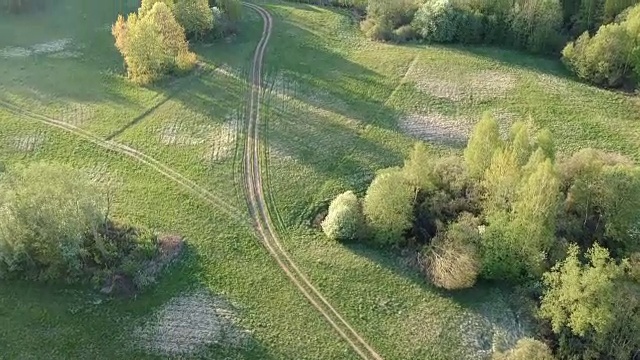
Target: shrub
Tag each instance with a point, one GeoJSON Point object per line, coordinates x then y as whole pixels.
{"type": "Point", "coordinates": [395, 12]}
{"type": "Point", "coordinates": [604, 59]}
{"type": "Point", "coordinates": [377, 30]}
{"type": "Point", "coordinates": [153, 44]}
{"type": "Point", "coordinates": [535, 24]}
{"type": "Point", "coordinates": [344, 220]}
{"type": "Point", "coordinates": [388, 206]}
{"type": "Point", "coordinates": [451, 261]}
{"type": "Point", "coordinates": [47, 210]}
{"type": "Point", "coordinates": [403, 34]}
{"type": "Point", "coordinates": [600, 205]}
{"type": "Point", "coordinates": [526, 349]}
{"type": "Point", "coordinates": [436, 21]}
{"type": "Point", "coordinates": [195, 16]}
{"type": "Point", "coordinates": [386, 19]}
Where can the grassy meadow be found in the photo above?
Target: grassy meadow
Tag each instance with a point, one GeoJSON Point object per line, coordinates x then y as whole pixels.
{"type": "Point", "coordinates": [336, 108]}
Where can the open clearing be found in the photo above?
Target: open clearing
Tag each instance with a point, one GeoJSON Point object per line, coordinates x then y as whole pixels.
{"type": "Point", "coordinates": [335, 109]}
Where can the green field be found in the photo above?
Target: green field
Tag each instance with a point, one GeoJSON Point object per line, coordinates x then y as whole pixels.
{"type": "Point", "coordinates": [336, 108]}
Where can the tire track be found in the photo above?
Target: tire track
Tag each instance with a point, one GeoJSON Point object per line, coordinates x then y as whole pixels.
{"type": "Point", "coordinates": [259, 212]}
{"type": "Point", "coordinates": [154, 164]}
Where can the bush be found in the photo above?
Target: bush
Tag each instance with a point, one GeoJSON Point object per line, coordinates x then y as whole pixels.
{"type": "Point", "coordinates": [195, 16]}
{"type": "Point", "coordinates": [386, 19]}
{"type": "Point", "coordinates": [403, 34]}
{"type": "Point", "coordinates": [600, 204]}
{"type": "Point", "coordinates": [152, 44]}
{"type": "Point", "coordinates": [388, 206]}
{"type": "Point", "coordinates": [377, 30]}
{"type": "Point", "coordinates": [451, 261]}
{"type": "Point", "coordinates": [526, 349]}
{"type": "Point", "coordinates": [344, 220]}
{"type": "Point", "coordinates": [437, 21]}
{"type": "Point", "coordinates": [604, 59]}
{"type": "Point", "coordinates": [47, 210]}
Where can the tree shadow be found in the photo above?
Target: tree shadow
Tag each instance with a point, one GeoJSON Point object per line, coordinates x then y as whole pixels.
{"type": "Point", "coordinates": [76, 321]}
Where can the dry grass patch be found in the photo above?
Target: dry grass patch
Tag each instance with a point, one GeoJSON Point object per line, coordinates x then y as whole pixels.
{"type": "Point", "coordinates": [496, 326]}
{"type": "Point", "coordinates": [468, 87]}
{"type": "Point", "coordinates": [28, 143]}
{"type": "Point", "coordinates": [61, 48]}
{"type": "Point", "coordinates": [189, 323]}
{"type": "Point", "coordinates": [436, 127]}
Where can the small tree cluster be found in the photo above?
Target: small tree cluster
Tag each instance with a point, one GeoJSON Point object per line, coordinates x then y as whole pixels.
{"type": "Point", "coordinates": [152, 44]}
{"type": "Point", "coordinates": [55, 226]}
{"type": "Point", "coordinates": [509, 211]}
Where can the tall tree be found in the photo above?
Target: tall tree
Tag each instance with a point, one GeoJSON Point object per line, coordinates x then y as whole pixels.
{"type": "Point", "coordinates": [483, 143]}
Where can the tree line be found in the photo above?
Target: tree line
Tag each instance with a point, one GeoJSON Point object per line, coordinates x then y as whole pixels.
{"type": "Point", "coordinates": [510, 210]}
{"type": "Point", "coordinates": [599, 40]}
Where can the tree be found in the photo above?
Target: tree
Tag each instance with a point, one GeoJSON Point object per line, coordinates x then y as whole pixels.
{"type": "Point", "coordinates": [344, 220]}
{"type": "Point", "coordinates": [594, 303]}
{"type": "Point", "coordinates": [437, 21]}
{"type": "Point", "coordinates": [521, 142]}
{"type": "Point", "coordinates": [535, 24]}
{"type": "Point", "coordinates": [544, 141]}
{"type": "Point", "coordinates": [47, 210]}
{"type": "Point", "coordinates": [484, 141]}
{"type": "Point", "coordinates": [388, 206]}
{"type": "Point", "coordinates": [452, 261]}
{"type": "Point", "coordinates": [385, 16]}
{"type": "Point", "coordinates": [515, 242]}
{"type": "Point", "coordinates": [418, 168]}
{"type": "Point", "coordinates": [195, 16]}
{"type": "Point", "coordinates": [581, 297]}
{"type": "Point", "coordinates": [147, 5]}
{"type": "Point", "coordinates": [501, 181]}
{"type": "Point", "coordinates": [604, 59]}
{"type": "Point", "coordinates": [526, 349]}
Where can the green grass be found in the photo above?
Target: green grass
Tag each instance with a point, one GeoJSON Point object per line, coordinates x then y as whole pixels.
{"type": "Point", "coordinates": [332, 113]}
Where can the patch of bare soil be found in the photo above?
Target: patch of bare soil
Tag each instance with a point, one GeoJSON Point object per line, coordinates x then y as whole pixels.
{"type": "Point", "coordinates": [189, 323]}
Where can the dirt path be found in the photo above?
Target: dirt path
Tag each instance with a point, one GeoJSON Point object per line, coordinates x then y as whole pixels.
{"type": "Point", "coordinates": [254, 190]}
{"type": "Point", "coordinates": [154, 164]}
